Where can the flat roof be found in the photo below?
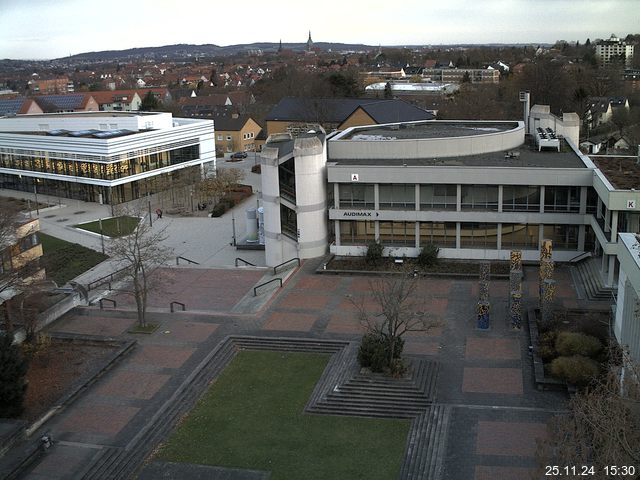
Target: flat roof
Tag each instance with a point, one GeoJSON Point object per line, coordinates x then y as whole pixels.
{"type": "Point", "coordinates": [527, 155]}
{"type": "Point", "coordinates": [100, 113]}
{"type": "Point", "coordinates": [622, 172]}
{"type": "Point", "coordinates": [428, 129]}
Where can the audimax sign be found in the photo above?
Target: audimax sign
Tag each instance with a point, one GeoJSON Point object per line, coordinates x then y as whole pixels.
{"type": "Point", "coordinates": [360, 214]}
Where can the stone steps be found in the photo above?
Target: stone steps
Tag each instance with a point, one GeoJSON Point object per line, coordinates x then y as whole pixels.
{"type": "Point", "coordinates": [589, 275]}
{"type": "Point", "coordinates": [373, 395]}
{"type": "Point", "coordinates": [426, 445]}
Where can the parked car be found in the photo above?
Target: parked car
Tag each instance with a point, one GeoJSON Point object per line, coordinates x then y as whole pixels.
{"type": "Point", "coordinates": [239, 155]}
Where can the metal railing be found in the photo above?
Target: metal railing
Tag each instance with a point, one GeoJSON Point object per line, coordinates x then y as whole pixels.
{"type": "Point", "coordinates": [275, 269]}
{"type": "Point", "coordinates": [255, 289]}
{"type": "Point", "coordinates": [186, 260]}
{"type": "Point", "coordinates": [106, 279]}
{"type": "Point", "coordinates": [113, 302]}
{"type": "Point", "coordinates": [177, 303]}
{"type": "Point", "coordinates": [238, 259]}
{"type": "Point", "coordinates": [580, 256]}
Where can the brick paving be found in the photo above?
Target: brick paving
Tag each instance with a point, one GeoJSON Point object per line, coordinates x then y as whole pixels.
{"type": "Point", "coordinates": [509, 438]}
{"type": "Point", "coordinates": [503, 473]}
{"type": "Point", "coordinates": [493, 348]}
{"type": "Point", "coordinates": [486, 377]}
{"type": "Point", "coordinates": [132, 384]}
{"type": "Point", "coordinates": [493, 380]}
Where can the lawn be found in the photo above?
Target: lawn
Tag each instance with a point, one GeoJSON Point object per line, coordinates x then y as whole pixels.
{"type": "Point", "coordinates": [113, 226]}
{"type": "Point", "coordinates": [64, 260]}
{"type": "Point", "coordinates": [252, 417]}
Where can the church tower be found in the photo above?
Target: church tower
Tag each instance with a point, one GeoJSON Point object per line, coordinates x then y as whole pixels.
{"type": "Point", "coordinates": [309, 43]}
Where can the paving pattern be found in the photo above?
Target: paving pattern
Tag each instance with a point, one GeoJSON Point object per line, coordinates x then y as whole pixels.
{"type": "Point", "coordinates": [486, 412]}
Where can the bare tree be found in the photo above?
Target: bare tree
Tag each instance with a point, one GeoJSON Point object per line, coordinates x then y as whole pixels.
{"type": "Point", "coordinates": [141, 253]}
{"type": "Point", "coordinates": [214, 188]}
{"type": "Point", "coordinates": [400, 310]}
{"type": "Point", "coordinates": [602, 427]}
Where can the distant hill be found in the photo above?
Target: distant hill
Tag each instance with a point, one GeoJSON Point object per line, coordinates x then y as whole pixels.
{"type": "Point", "coordinates": [208, 50]}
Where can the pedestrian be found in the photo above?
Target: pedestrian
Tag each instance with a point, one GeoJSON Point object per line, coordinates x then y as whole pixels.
{"type": "Point", "coordinates": [158, 213]}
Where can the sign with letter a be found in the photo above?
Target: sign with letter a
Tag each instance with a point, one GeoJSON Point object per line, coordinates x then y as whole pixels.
{"type": "Point", "coordinates": [355, 177]}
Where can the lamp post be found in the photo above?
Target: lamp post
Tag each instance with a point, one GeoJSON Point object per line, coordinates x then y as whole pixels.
{"type": "Point", "coordinates": [101, 235]}
{"type": "Point", "coordinates": [35, 191]}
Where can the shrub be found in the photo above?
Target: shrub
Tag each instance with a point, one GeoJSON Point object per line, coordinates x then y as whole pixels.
{"type": "Point", "coordinates": [547, 352]}
{"type": "Point", "coordinates": [13, 369]}
{"type": "Point", "coordinates": [374, 253]}
{"type": "Point", "coordinates": [374, 353]}
{"type": "Point", "coordinates": [574, 343]}
{"type": "Point", "coordinates": [577, 369]}
{"type": "Point", "coordinates": [428, 255]}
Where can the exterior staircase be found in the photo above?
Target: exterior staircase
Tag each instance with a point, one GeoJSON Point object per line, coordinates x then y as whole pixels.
{"type": "Point", "coordinates": [587, 273]}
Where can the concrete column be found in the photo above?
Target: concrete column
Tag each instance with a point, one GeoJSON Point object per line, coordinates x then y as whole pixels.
{"type": "Point", "coordinates": [417, 234]}
{"type": "Point", "coordinates": [614, 226]}
{"type": "Point", "coordinates": [603, 265]}
{"type": "Point", "coordinates": [458, 242]}
{"type": "Point", "coordinates": [458, 203]}
{"type": "Point", "coordinates": [598, 207]}
{"type": "Point", "coordinates": [540, 234]}
{"type": "Point", "coordinates": [612, 271]}
{"type": "Point", "coordinates": [336, 195]}
{"type": "Point", "coordinates": [499, 231]}
{"type": "Point", "coordinates": [541, 200]}
{"type": "Point", "coordinates": [376, 198]}
{"type": "Point", "coordinates": [417, 197]}
{"type": "Point", "coordinates": [583, 200]}
{"type": "Point", "coordinates": [336, 229]}
{"type": "Point", "coordinates": [582, 233]}
{"type": "Point", "coordinates": [500, 197]}
{"type": "Point", "coordinates": [377, 231]}
{"type": "Point", "coordinates": [607, 220]}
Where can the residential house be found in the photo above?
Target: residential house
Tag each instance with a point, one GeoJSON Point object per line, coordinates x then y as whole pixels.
{"type": "Point", "coordinates": [73, 102]}
{"type": "Point", "coordinates": [600, 109]}
{"type": "Point", "coordinates": [614, 49]}
{"type": "Point", "coordinates": [51, 87]}
{"type": "Point", "coordinates": [235, 133]}
{"type": "Point", "coordinates": [18, 106]}
{"type": "Point", "coordinates": [118, 100]}
{"type": "Point", "coordinates": [300, 115]}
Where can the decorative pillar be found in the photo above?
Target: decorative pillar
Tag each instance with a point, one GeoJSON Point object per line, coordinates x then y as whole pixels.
{"type": "Point", "coordinates": [515, 289]}
{"type": "Point", "coordinates": [515, 310]}
{"type": "Point", "coordinates": [483, 307]}
{"type": "Point", "coordinates": [548, 294]}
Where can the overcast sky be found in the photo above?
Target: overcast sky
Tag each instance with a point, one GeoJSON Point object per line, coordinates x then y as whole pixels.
{"type": "Point", "coordinates": [45, 29]}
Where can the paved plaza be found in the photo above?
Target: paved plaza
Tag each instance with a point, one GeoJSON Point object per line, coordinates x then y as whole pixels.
{"type": "Point", "coordinates": [485, 376]}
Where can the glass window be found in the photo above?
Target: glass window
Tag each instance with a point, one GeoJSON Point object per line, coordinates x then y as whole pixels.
{"type": "Point", "coordinates": [441, 234]}
{"type": "Point", "coordinates": [288, 222]}
{"type": "Point", "coordinates": [478, 235]}
{"type": "Point", "coordinates": [519, 235]}
{"type": "Point", "coordinates": [438, 197]}
{"type": "Point", "coordinates": [398, 233]}
{"type": "Point", "coordinates": [564, 237]}
{"type": "Point", "coordinates": [397, 197]}
{"type": "Point", "coordinates": [354, 195]}
{"type": "Point", "coordinates": [479, 197]}
{"type": "Point", "coordinates": [356, 233]}
{"type": "Point", "coordinates": [520, 198]}
{"type": "Point", "coordinates": [592, 200]}
{"type": "Point", "coordinates": [561, 199]}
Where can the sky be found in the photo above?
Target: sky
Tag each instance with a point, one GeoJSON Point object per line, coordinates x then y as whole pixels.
{"type": "Point", "coordinates": [47, 29]}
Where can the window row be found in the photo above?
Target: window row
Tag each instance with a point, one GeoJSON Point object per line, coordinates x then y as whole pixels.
{"type": "Point", "coordinates": [104, 171]}
{"type": "Point", "coordinates": [472, 235]}
{"type": "Point", "coordinates": [472, 197]}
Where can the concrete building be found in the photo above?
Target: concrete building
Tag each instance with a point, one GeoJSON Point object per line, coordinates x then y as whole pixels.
{"type": "Point", "coordinates": [294, 197]}
{"type": "Point", "coordinates": [627, 313]}
{"type": "Point", "coordinates": [108, 157]}
{"type": "Point", "coordinates": [476, 189]}
{"type": "Point", "coordinates": [614, 49]}
{"type": "Point", "coordinates": [20, 260]}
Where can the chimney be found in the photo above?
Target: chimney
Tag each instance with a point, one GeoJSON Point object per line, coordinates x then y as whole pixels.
{"type": "Point", "coordinates": [525, 98]}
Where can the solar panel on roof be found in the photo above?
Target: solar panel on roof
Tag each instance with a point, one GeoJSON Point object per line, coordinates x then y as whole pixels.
{"type": "Point", "coordinates": [58, 132]}
{"type": "Point", "coordinates": [83, 133]}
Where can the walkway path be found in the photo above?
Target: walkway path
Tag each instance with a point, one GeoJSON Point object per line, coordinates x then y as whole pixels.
{"type": "Point", "coordinates": [485, 380]}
